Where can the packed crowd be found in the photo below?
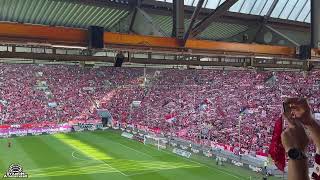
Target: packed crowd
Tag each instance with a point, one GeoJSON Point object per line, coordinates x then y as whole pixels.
{"type": "Point", "coordinates": [192, 104]}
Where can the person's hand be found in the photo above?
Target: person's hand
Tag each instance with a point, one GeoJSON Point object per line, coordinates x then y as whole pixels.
{"type": "Point", "coordinates": [298, 109]}
{"type": "Point", "coordinates": [295, 137]}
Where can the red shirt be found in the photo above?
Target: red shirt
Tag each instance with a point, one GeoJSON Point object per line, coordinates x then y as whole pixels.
{"type": "Point", "coordinates": [316, 171]}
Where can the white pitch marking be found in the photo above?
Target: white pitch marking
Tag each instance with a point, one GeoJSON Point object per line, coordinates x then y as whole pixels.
{"type": "Point", "coordinates": [114, 168]}
{"type": "Point", "coordinates": [75, 157]}
{"type": "Point", "coordinates": [202, 165]}
{"type": "Point", "coordinates": [134, 149]}
{"type": "Point", "coordinates": [141, 173]}
{"type": "Point", "coordinates": [102, 162]}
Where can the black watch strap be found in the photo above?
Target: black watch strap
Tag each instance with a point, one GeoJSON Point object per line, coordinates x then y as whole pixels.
{"type": "Point", "coordinates": [296, 154]}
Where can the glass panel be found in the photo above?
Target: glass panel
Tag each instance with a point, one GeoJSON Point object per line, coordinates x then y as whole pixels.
{"type": "Point", "coordinates": [3, 48]}
{"type": "Point", "coordinates": [188, 2]}
{"type": "Point", "coordinates": [212, 4]}
{"type": "Point", "coordinates": [61, 51]}
{"type": "Point", "coordinates": [140, 55]}
{"type": "Point", "coordinates": [73, 51]}
{"type": "Point", "coordinates": [297, 9]}
{"type": "Point", "coordinates": [221, 1]}
{"type": "Point", "coordinates": [279, 7]}
{"type": "Point", "coordinates": [23, 49]}
{"type": "Point", "coordinates": [195, 2]}
{"type": "Point", "coordinates": [308, 19]}
{"type": "Point", "coordinates": [304, 12]}
{"type": "Point", "coordinates": [169, 57]}
{"type": "Point", "coordinates": [247, 6]}
{"type": "Point", "coordinates": [155, 56]}
{"type": "Point", "coordinates": [285, 9]}
{"type": "Point", "coordinates": [236, 7]}
{"type": "Point", "coordinates": [288, 9]}
{"type": "Point", "coordinates": [48, 51]}
{"type": "Point", "coordinates": [38, 50]}
{"type": "Point", "coordinates": [111, 54]}
{"type": "Point", "coordinates": [266, 7]}
{"type": "Point", "coordinates": [204, 3]}
{"type": "Point", "coordinates": [258, 7]}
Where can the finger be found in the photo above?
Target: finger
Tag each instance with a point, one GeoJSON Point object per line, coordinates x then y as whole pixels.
{"type": "Point", "coordinates": [291, 122]}
{"type": "Point", "coordinates": [285, 135]}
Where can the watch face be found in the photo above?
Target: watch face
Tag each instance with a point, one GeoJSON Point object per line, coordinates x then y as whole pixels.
{"type": "Point", "coordinates": [293, 153]}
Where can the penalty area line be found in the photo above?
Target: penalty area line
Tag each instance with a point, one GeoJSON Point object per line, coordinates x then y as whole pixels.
{"type": "Point", "coordinates": [140, 152]}
{"type": "Point", "coordinates": [75, 157]}
{"type": "Point", "coordinates": [103, 162]}
{"type": "Point", "coordinates": [147, 172]}
{"type": "Point", "coordinates": [124, 174]}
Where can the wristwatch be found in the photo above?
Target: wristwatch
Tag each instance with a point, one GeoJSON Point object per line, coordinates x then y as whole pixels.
{"type": "Point", "coordinates": [296, 154]}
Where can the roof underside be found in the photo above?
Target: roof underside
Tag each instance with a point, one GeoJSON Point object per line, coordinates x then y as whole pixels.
{"type": "Point", "coordinates": [59, 13]}
{"type": "Point", "coordinates": [216, 31]}
{"type": "Point", "coordinates": [109, 14]}
{"type": "Point", "coordinates": [295, 10]}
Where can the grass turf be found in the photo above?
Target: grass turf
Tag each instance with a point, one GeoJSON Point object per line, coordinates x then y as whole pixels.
{"type": "Point", "coordinates": [107, 155]}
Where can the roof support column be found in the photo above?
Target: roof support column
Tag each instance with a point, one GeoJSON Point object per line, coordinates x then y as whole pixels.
{"type": "Point", "coordinates": [178, 19]}
{"type": "Point", "coordinates": [315, 23]}
{"type": "Point", "coordinates": [134, 4]}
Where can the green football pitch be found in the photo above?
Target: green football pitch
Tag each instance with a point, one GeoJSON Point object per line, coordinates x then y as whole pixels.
{"type": "Point", "coordinates": [106, 155]}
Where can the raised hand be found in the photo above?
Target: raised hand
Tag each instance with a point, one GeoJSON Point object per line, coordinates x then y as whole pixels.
{"type": "Point", "coordinates": [298, 109]}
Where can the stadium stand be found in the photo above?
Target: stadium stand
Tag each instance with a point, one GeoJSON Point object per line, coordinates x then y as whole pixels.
{"type": "Point", "coordinates": [203, 106]}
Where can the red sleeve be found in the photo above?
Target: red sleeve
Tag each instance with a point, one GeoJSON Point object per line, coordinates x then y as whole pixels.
{"type": "Point", "coordinates": [317, 159]}
{"type": "Point", "coordinates": [316, 171]}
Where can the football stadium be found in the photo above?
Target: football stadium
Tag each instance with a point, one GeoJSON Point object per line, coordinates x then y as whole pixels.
{"type": "Point", "coordinates": [160, 89]}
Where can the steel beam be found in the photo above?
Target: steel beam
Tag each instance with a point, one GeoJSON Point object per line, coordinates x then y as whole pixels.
{"type": "Point", "coordinates": [134, 4]}
{"type": "Point", "coordinates": [54, 57]}
{"type": "Point", "coordinates": [282, 35]}
{"type": "Point", "coordinates": [133, 18]}
{"type": "Point", "coordinates": [315, 25]}
{"type": "Point", "coordinates": [271, 9]}
{"type": "Point", "coordinates": [144, 24]}
{"type": "Point", "coordinates": [178, 19]}
{"type": "Point", "coordinates": [101, 3]}
{"type": "Point", "coordinates": [174, 19]}
{"type": "Point", "coordinates": [293, 64]}
{"type": "Point", "coordinates": [37, 34]}
{"type": "Point", "coordinates": [192, 21]}
{"type": "Point", "coordinates": [265, 19]}
{"type": "Point", "coordinates": [165, 9]}
{"type": "Point", "coordinates": [218, 12]}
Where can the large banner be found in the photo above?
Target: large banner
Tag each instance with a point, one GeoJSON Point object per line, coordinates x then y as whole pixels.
{"type": "Point", "coordinates": [19, 131]}
{"type": "Point", "coordinates": [87, 126]}
{"type": "Point", "coordinates": [181, 152]}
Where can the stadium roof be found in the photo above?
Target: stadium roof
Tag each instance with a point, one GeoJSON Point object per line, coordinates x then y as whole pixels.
{"type": "Point", "coordinates": [288, 18]}
{"type": "Point", "coordinates": [296, 10]}
{"type": "Point", "coordinates": [59, 13]}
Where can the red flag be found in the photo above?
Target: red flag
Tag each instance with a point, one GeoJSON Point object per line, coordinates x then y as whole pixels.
{"type": "Point", "coordinates": [276, 149]}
